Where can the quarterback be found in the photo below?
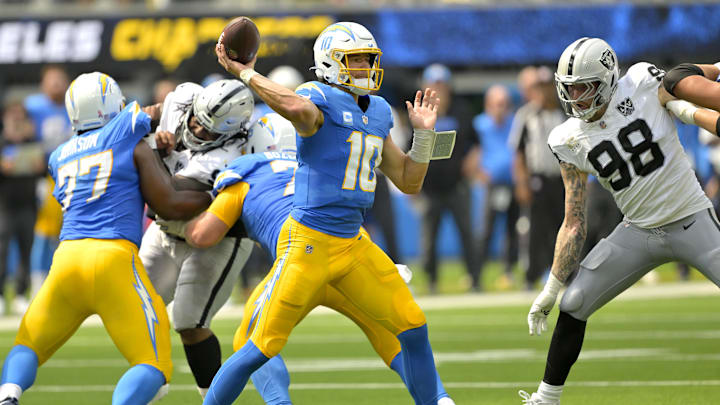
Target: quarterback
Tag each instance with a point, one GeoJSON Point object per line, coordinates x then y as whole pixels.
{"type": "Point", "coordinates": [210, 125]}
{"type": "Point", "coordinates": [258, 191]}
{"type": "Point", "coordinates": [619, 132]}
{"type": "Point", "coordinates": [103, 176]}
{"type": "Point", "coordinates": [342, 138]}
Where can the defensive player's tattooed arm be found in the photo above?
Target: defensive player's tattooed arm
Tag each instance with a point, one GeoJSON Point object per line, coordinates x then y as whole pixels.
{"type": "Point", "coordinates": [157, 189]}
{"type": "Point", "coordinates": [572, 233]}
{"type": "Point", "coordinates": [303, 113]}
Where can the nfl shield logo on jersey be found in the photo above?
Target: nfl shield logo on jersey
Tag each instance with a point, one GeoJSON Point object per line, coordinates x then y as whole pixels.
{"type": "Point", "coordinates": [626, 107]}
{"type": "Point", "coordinates": [365, 119]}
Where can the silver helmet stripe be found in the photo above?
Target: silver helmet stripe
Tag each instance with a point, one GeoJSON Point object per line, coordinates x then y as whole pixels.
{"type": "Point", "coordinates": [225, 99]}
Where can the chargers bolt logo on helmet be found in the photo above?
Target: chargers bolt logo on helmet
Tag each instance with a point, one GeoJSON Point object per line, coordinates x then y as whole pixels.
{"type": "Point", "coordinates": [92, 100]}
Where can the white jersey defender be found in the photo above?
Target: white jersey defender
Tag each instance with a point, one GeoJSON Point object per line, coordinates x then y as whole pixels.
{"type": "Point", "coordinates": [199, 281]}
{"type": "Point", "coordinates": [619, 132]}
{"type": "Point", "coordinates": [635, 153]}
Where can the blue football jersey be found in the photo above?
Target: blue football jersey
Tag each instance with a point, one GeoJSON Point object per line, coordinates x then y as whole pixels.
{"type": "Point", "coordinates": [96, 181]}
{"type": "Point", "coordinates": [267, 204]}
{"type": "Point", "coordinates": [335, 180]}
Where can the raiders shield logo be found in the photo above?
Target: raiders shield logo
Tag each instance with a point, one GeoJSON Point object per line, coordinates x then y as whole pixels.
{"type": "Point", "coordinates": [608, 60]}
{"type": "Point", "coordinates": [626, 107]}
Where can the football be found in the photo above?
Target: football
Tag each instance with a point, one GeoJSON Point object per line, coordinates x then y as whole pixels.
{"type": "Point", "coordinates": [241, 39]}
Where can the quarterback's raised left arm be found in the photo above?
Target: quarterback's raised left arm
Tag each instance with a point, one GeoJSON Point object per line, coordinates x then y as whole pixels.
{"type": "Point", "coordinates": [407, 170]}
{"type": "Point", "coordinates": [305, 116]}
{"type": "Point", "coordinates": [568, 246]}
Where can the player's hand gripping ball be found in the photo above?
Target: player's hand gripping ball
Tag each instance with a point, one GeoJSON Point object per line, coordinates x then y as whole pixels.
{"type": "Point", "coordinates": [241, 39]}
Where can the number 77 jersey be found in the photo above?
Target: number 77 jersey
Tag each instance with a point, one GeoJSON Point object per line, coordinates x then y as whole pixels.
{"type": "Point", "coordinates": [96, 181]}
{"type": "Point", "coordinates": [635, 153]}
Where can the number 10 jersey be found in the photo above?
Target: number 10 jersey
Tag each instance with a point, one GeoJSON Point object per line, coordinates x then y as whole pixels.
{"type": "Point", "coordinates": [635, 153]}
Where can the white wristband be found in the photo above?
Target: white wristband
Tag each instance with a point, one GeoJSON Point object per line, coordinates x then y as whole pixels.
{"type": "Point", "coordinates": [247, 74]}
{"type": "Point", "coordinates": [553, 285]}
{"type": "Point", "coordinates": [421, 150]}
{"type": "Point", "coordinates": [682, 109]}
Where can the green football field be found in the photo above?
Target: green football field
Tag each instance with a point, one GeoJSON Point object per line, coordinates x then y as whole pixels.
{"type": "Point", "coordinates": [660, 347]}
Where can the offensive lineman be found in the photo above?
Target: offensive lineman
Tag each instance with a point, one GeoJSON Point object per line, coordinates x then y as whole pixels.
{"type": "Point", "coordinates": [619, 132]}
{"type": "Point", "coordinates": [211, 127]}
{"type": "Point", "coordinates": [342, 138]}
{"type": "Point", "coordinates": [103, 175]}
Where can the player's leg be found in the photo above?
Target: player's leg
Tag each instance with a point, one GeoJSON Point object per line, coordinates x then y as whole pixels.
{"type": "Point", "coordinates": [53, 316]}
{"type": "Point", "coordinates": [156, 254]}
{"type": "Point", "coordinates": [207, 278]}
{"type": "Point", "coordinates": [615, 264]}
{"type": "Point", "coordinates": [298, 273]}
{"type": "Point", "coordinates": [696, 240]}
{"type": "Point", "coordinates": [375, 286]}
{"type": "Point", "coordinates": [135, 318]}
{"type": "Point", "coordinates": [24, 233]}
{"type": "Point", "coordinates": [386, 344]}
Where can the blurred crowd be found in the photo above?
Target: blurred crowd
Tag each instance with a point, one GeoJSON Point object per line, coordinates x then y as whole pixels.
{"type": "Point", "coordinates": [501, 150]}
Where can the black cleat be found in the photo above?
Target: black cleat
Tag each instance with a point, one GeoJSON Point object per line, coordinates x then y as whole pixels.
{"type": "Point", "coordinates": [9, 401]}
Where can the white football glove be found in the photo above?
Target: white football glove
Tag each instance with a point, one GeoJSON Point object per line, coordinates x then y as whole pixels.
{"type": "Point", "coordinates": [172, 227]}
{"type": "Point", "coordinates": [537, 318]}
{"type": "Point", "coordinates": [405, 272]}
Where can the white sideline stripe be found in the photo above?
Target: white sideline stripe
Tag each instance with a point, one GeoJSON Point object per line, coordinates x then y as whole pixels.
{"type": "Point", "coordinates": [484, 300]}
{"type": "Point", "coordinates": [395, 386]}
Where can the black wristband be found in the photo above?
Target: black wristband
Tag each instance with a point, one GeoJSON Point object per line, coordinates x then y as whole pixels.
{"type": "Point", "coordinates": [717, 127]}
{"type": "Point", "coordinates": [679, 72]}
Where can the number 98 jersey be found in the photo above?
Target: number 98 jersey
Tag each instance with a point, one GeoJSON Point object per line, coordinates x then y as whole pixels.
{"type": "Point", "coordinates": [335, 180]}
{"type": "Point", "coordinates": [635, 153]}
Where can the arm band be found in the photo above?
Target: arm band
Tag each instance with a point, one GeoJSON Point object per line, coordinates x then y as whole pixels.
{"type": "Point", "coordinates": [717, 127]}
{"type": "Point", "coordinates": [422, 144]}
{"type": "Point", "coordinates": [679, 72]}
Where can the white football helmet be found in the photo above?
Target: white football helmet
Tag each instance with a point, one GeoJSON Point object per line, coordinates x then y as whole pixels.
{"type": "Point", "coordinates": [92, 100]}
{"type": "Point", "coordinates": [592, 64]}
{"type": "Point", "coordinates": [271, 132]}
{"type": "Point", "coordinates": [331, 51]}
{"type": "Point", "coordinates": [286, 76]}
{"type": "Point", "coordinates": [223, 108]}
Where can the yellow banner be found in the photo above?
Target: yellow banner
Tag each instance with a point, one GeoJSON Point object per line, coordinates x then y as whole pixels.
{"type": "Point", "coordinates": [172, 40]}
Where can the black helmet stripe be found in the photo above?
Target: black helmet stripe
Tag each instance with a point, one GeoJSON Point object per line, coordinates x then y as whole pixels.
{"type": "Point", "coordinates": [572, 56]}
{"type": "Point", "coordinates": [227, 97]}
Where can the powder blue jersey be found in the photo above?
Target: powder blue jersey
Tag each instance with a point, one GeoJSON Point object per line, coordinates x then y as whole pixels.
{"type": "Point", "coordinates": [335, 180]}
{"type": "Point", "coordinates": [267, 204]}
{"type": "Point", "coordinates": [96, 181]}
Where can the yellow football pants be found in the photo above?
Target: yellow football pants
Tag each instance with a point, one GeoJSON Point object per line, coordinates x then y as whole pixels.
{"type": "Point", "coordinates": [104, 277]}
{"type": "Point", "coordinates": [351, 275]}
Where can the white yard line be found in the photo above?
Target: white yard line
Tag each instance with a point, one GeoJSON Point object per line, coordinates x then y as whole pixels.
{"type": "Point", "coordinates": [400, 386]}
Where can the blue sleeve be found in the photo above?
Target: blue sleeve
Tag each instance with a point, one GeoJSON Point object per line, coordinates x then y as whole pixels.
{"type": "Point", "coordinates": [235, 172]}
{"type": "Point", "coordinates": [314, 92]}
{"type": "Point", "coordinates": [131, 124]}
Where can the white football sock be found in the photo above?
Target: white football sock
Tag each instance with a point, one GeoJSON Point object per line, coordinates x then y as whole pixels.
{"type": "Point", "coordinates": [10, 390]}
{"type": "Point", "coordinates": [550, 391]}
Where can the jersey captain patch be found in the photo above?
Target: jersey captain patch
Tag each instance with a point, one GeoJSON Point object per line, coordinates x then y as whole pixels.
{"type": "Point", "coordinates": [626, 107]}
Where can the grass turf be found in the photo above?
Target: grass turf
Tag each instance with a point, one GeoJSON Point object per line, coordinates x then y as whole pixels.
{"type": "Point", "coordinates": [659, 351]}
